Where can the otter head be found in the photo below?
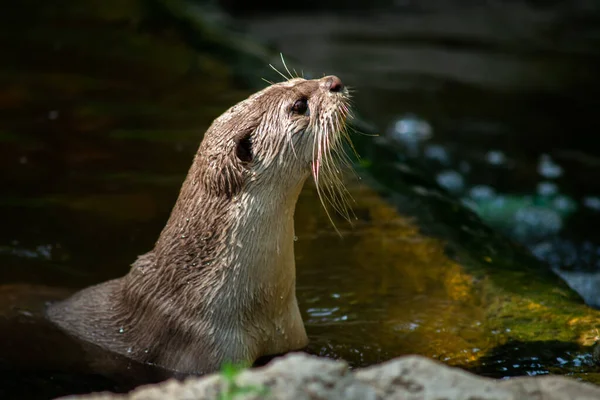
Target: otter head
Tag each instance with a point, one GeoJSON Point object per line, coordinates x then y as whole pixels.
{"type": "Point", "coordinates": [276, 137]}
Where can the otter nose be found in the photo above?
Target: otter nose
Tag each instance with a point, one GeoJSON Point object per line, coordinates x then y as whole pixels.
{"type": "Point", "coordinates": [333, 83]}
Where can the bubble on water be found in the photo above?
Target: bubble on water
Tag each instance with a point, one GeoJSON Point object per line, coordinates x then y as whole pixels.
{"type": "Point", "coordinates": [548, 168]}
{"type": "Point", "coordinates": [547, 189]}
{"type": "Point", "coordinates": [543, 251]}
{"type": "Point", "coordinates": [498, 203]}
{"type": "Point", "coordinates": [411, 127]}
{"type": "Point", "coordinates": [592, 202]}
{"type": "Point", "coordinates": [482, 192]}
{"type": "Point", "coordinates": [411, 130]}
{"type": "Point", "coordinates": [495, 157]}
{"type": "Point", "coordinates": [451, 180]}
{"type": "Point", "coordinates": [535, 222]}
{"type": "Point", "coordinates": [564, 204]}
{"type": "Point", "coordinates": [438, 153]}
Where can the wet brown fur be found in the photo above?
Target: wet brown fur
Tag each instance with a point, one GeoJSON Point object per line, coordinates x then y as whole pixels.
{"type": "Point", "coordinates": [219, 284]}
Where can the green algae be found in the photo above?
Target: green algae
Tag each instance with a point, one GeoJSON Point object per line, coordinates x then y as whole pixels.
{"type": "Point", "coordinates": [514, 301]}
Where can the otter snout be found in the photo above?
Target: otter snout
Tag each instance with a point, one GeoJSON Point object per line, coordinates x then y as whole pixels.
{"type": "Point", "coordinates": [332, 83]}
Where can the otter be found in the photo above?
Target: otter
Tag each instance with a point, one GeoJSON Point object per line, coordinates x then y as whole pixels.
{"type": "Point", "coordinates": [219, 284]}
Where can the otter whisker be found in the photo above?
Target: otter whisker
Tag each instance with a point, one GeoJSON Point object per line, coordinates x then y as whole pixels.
{"type": "Point", "coordinates": [268, 81]}
{"type": "Point", "coordinates": [346, 137]}
{"type": "Point", "coordinates": [332, 190]}
{"type": "Point", "coordinates": [276, 70]}
{"type": "Point", "coordinates": [337, 192]}
{"type": "Point", "coordinates": [330, 160]}
{"type": "Point", "coordinates": [291, 142]}
{"type": "Point", "coordinates": [285, 66]}
{"type": "Point", "coordinates": [315, 163]}
{"type": "Point", "coordinates": [359, 132]}
{"type": "Point", "coordinates": [320, 149]}
{"type": "Point", "coordinates": [322, 200]}
{"type": "Point", "coordinates": [343, 199]}
{"type": "Point", "coordinates": [345, 161]}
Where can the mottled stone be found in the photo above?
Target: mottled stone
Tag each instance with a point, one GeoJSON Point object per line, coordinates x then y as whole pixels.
{"type": "Point", "coordinates": [300, 376]}
{"type": "Point", "coordinates": [416, 377]}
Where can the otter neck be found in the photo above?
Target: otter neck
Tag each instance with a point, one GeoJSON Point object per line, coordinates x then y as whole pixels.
{"type": "Point", "coordinates": [261, 243]}
{"type": "Point", "coordinates": [245, 244]}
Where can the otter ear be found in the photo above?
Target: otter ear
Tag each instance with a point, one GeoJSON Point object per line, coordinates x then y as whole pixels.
{"type": "Point", "coordinates": [243, 146]}
{"type": "Point", "coordinates": [230, 176]}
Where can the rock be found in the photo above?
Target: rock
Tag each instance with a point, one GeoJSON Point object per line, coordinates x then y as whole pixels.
{"type": "Point", "coordinates": [550, 388]}
{"type": "Point", "coordinates": [299, 376]}
{"type": "Point", "coordinates": [416, 377]}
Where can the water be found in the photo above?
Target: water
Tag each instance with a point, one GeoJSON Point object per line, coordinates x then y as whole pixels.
{"type": "Point", "coordinates": [501, 116]}
{"type": "Point", "coordinates": [498, 98]}
{"type": "Point", "coordinates": [93, 152]}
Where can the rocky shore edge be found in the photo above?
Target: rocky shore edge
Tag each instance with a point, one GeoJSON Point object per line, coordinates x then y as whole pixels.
{"type": "Point", "coordinates": [300, 376]}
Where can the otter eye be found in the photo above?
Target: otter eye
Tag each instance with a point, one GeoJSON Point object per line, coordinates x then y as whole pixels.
{"type": "Point", "coordinates": [243, 149]}
{"type": "Point", "coordinates": [300, 106]}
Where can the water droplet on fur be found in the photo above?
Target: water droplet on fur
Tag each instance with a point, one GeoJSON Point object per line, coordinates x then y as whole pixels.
{"type": "Point", "coordinates": [183, 236]}
{"type": "Point", "coordinates": [129, 350]}
{"type": "Point", "coordinates": [121, 330]}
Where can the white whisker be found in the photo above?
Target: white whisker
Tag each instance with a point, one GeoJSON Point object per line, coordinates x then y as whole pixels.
{"type": "Point", "coordinates": [276, 70]}
{"type": "Point", "coordinates": [285, 66]}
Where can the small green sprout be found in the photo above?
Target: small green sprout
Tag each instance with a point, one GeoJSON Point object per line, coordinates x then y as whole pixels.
{"type": "Point", "coordinates": [229, 373]}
